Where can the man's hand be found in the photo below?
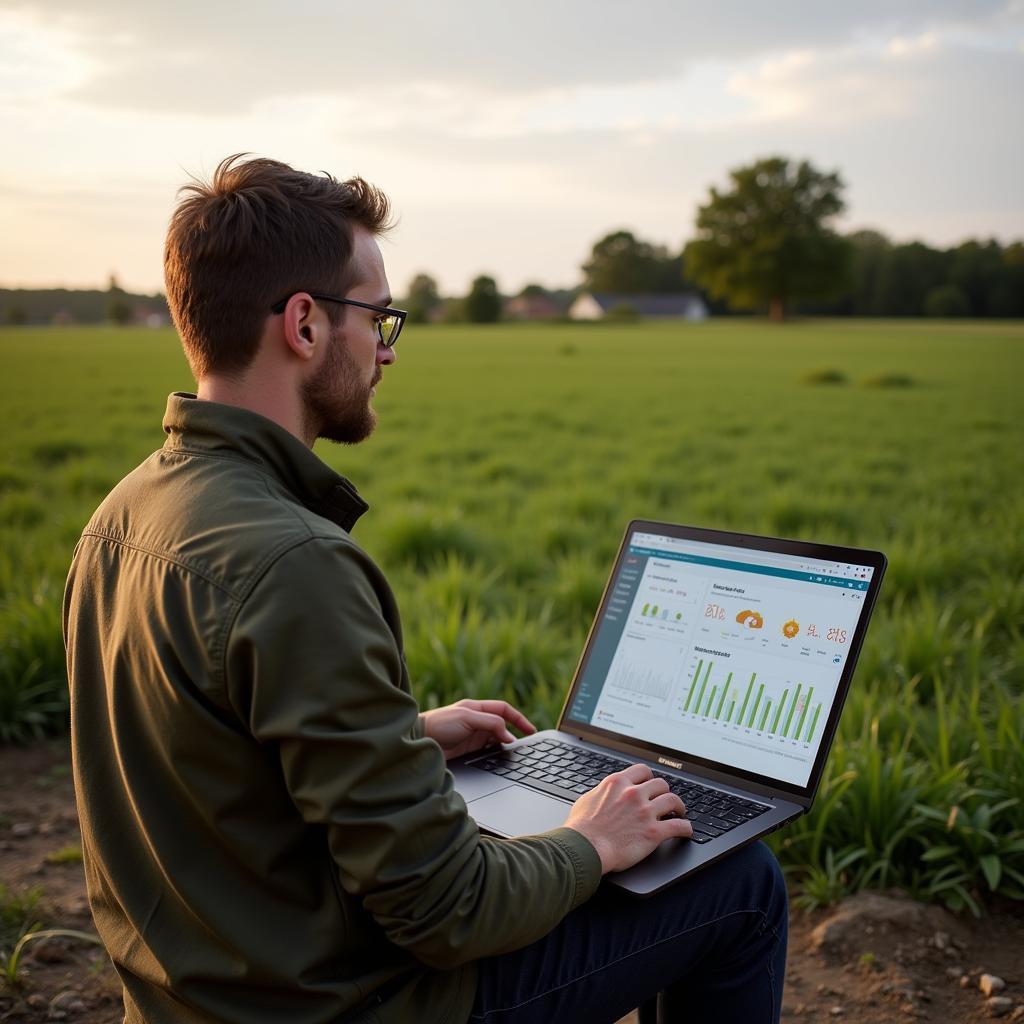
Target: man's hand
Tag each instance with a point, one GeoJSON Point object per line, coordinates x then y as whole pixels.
{"type": "Point", "coordinates": [624, 817]}
{"type": "Point", "coordinates": [468, 725]}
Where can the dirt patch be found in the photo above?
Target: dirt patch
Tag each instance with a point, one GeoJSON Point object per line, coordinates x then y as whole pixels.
{"type": "Point", "coordinates": [875, 958]}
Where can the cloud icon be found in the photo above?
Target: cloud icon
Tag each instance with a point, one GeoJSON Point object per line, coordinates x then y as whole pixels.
{"type": "Point", "coordinates": [750, 619]}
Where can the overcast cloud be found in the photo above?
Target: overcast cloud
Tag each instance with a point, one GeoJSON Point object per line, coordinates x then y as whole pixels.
{"type": "Point", "coordinates": [510, 137]}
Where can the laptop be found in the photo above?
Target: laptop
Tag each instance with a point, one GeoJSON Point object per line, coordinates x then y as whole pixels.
{"type": "Point", "coordinates": [721, 660]}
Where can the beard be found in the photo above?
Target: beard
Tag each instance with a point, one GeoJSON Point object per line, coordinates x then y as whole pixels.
{"type": "Point", "coordinates": [337, 404]}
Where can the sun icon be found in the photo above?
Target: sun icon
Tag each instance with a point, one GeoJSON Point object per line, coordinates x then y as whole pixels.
{"type": "Point", "coordinates": [791, 628]}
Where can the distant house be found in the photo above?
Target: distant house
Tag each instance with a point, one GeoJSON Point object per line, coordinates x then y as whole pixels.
{"type": "Point", "coordinates": [684, 306]}
{"type": "Point", "coordinates": [531, 307]}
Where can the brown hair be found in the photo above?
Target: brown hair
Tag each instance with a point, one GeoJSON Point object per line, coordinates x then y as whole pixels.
{"type": "Point", "coordinates": [259, 231]}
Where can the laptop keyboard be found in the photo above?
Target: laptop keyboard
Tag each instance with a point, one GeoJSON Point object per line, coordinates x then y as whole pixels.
{"type": "Point", "coordinates": [567, 771]}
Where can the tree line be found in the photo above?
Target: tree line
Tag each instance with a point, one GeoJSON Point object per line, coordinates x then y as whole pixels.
{"type": "Point", "coordinates": [82, 306]}
{"type": "Point", "coordinates": [766, 242]}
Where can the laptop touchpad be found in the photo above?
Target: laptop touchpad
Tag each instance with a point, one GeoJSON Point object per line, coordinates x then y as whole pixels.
{"type": "Point", "coordinates": [518, 811]}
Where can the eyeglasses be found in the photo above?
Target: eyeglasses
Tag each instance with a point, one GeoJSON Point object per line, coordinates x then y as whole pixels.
{"type": "Point", "coordinates": [389, 322]}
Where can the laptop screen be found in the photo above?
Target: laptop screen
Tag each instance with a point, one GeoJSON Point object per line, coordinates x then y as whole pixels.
{"type": "Point", "coordinates": [729, 654]}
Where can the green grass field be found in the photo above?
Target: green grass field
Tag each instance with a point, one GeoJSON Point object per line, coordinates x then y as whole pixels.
{"type": "Point", "coordinates": [508, 460]}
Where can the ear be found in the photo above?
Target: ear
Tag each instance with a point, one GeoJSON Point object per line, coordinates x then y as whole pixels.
{"type": "Point", "coordinates": [304, 326]}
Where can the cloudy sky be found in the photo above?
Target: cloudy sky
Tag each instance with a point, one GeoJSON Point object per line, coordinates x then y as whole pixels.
{"type": "Point", "coordinates": [509, 136]}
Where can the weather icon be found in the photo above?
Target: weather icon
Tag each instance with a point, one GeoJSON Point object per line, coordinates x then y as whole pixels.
{"type": "Point", "coordinates": [750, 619]}
{"type": "Point", "coordinates": [790, 629]}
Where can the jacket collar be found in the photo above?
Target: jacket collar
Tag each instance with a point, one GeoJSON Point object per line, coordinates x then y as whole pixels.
{"type": "Point", "coordinates": [192, 424]}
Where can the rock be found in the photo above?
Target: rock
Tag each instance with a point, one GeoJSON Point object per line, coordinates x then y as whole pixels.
{"type": "Point", "coordinates": [22, 829]}
{"type": "Point", "coordinates": [965, 982]}
{"type": "Point", "coordinates": [45, 828]}
{"type": "Point", "coordinates": [990, 984]}
{"type": "Point", "coordinates": [77, 906]}
{"type": "Point", "coordinates": [1018, 1014]}
{"type": "Point", "coordinates": [836, 1011]}
{"type": "Point", "coordinates": [53, 1014]}
{"type": "Point", "coordinates": [49, 951]}
{"type": "Point", "coordinates": [62, 1000]}
{"type": "Point", "coordinates": [36, 1001]}
{"type": "Point", "coordinates": [954, 972]}
{"type": "Point", "coordinates": [940, 940]}
{"type": "Point", "coordinates": [998, 1006]}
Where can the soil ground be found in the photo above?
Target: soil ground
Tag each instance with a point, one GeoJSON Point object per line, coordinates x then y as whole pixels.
{"type": "Point", "coordinates": [872, 959]}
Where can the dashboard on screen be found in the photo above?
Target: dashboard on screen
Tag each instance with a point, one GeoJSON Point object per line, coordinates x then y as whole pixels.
{"type": "Point", "coordinates": [723, 653]}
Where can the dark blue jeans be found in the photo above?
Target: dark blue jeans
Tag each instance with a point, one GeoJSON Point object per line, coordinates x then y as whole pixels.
{"type": "Point", "coordinates": [714, 946]}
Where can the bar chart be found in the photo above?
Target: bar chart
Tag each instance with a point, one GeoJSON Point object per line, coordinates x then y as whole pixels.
{"type": "Point", "coordinates": [772, 708]}
{"type": "Point", "coordinates": [641, 679]}
{"type": "Point", "coordinates": [654, 611]}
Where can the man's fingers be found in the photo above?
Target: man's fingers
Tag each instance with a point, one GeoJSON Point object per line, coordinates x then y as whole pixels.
{"type": "Point", "coordinates": [653, 787]}
{"type": "Point", "coordinates": [667, 803]}
{"type": "Point", "coordinates": [506, 711]}
{"type": "Point", "coordinates": [636, 773]}
{"type": "Point", "coordinates": [677, 828]}
{"type": "Point", "coordinates": [494, 725]}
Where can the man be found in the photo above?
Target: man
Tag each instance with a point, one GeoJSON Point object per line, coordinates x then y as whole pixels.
{"type": "Point", "coordinates": [269, 832]}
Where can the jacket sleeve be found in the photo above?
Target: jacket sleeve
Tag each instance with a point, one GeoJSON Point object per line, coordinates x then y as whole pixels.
{"type": "Point", "coordinates": [314, 668]}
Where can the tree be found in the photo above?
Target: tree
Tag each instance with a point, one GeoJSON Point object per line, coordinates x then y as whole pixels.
{"type": "Point", "coordinates": [868, 253]}
{"type": "Point", "coordinates": [119, 309]}
{"type": "Point", "coordinates": [423, 299]}
{"type": "Point", "coordinates": [620, 263]}
{"type": "Point", "coordinates": [975, 268]}
{"type": "Point", "coordinates": [947, 300]}
{"type": "Point", "coordinates": [483, 303]}
{"type": "Point", "coordinates": [768, 239]}
{"type": "Point", "coordinates": [1006, 297]}
{"type": "Point", "coordinates": [909, 272]}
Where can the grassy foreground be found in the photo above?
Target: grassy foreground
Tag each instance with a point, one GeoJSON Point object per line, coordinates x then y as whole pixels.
{"type": "Point", "coordinates": [506, 464]}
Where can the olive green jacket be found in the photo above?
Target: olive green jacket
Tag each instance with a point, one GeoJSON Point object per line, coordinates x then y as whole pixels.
{"type": "Point", "coordinates": [267, 833]}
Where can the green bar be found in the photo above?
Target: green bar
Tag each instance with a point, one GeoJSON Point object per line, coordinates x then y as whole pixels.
{"type": "Point", "coordinates": [646, 606]}
{"type": "Point", "coordinates": [693, 685]}
{"type": "Point", "coordinates": [679, 615]}
{"type": "Point", "coordinates": [654, 610]}
{"type": "Point", "coordinates": [743, 710]}
{"type": "Point", "coordinates": [792, 708]}
{"type": "Point", "coordinates": [753, 710]}
{"type": "Point", "coordinates": [764, 717]}
{"type": "Point", "coordinates": [803, 714]}
{"type": "Point", "coordinates": [814, 722]}
{"type": "Point", "coordinates": [731, 708]}
{"type": "Point", "coordinates": [703, 687]}
{"type": "Point", "coordinates": [707, 709]}
{"type": "Point", "coordinates": [721, 700]}
{"type": "Point", "coordinates": [782, 704]}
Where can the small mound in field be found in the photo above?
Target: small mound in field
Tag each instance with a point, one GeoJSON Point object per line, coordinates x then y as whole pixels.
{"type": "Point", "coordinates": [817, 378]}
{"type": "Point", "coordinates": [889, 380]}
{"type": "Point", "coordinates": [873, 916]}
{"type": "Point", "coordinates": [21, 510]}
{"type": "Point", "coordinates": [425, 541]}
{"type": "Point", "coordinates": [53, 453]}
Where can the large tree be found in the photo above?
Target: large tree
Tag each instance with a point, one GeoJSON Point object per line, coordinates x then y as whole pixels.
{"type": "Point", "coordinates": [422, 299]}
{"type": "Point", "coordinates": [483, 303]}
{"type": "Point", "coordinates": [767, 240]}
{"type": "Point", "coordinates": [621, 263]}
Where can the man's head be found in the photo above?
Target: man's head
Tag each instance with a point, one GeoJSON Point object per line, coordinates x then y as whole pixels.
{"type": "Point", "coordinates": [259, 234]}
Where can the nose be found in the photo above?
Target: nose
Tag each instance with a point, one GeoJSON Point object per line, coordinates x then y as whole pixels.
{"type": "Point", "coordinates": [385, 356]}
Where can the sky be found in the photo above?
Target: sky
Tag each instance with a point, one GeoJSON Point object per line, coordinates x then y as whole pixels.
{"type": "Point", "coordinates": [510, 137]}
